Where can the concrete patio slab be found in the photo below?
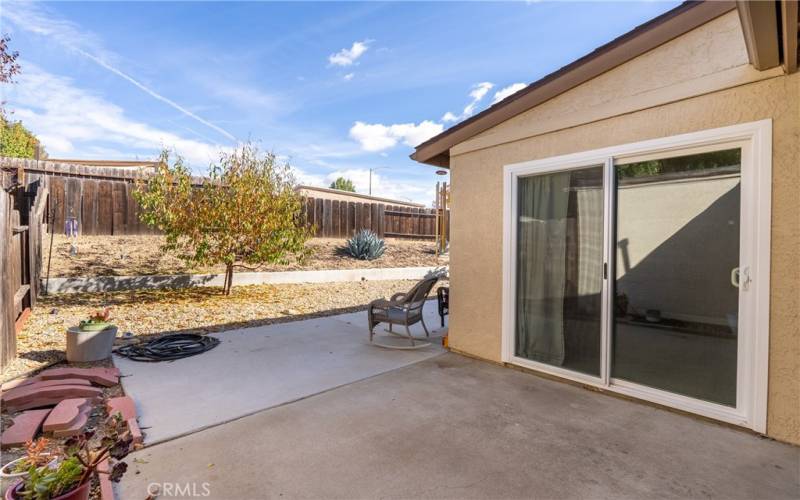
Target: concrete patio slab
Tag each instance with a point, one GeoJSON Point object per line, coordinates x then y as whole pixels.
{"type": "Point", "coordinates": [452, 427]}
{"type": "Point", "coordinates": [257, 368]}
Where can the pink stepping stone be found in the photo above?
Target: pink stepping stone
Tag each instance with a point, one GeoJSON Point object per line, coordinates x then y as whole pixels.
{"type": "Point", "coordinates": [66, 414]}
{"type": "Point", "coordinates": [45, 383]}
{"type": "Point", "coordinates": [123, 405]}
{"type": "Point", "coordinates": [100, 376]}
{"type": "Point", "coordinates": [48, 396]}
{"type": "Point", "coordinates": [75, 428]}
{"type": "Point", "coordinates": [17, 383]}
{"type": "Point", "coordinates": [23, 428]}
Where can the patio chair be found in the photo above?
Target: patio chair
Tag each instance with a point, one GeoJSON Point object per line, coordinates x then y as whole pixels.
{"type": "Point", "coordinates": [443, 301]}
{"type": "Point", "coordinates": [402, 309]}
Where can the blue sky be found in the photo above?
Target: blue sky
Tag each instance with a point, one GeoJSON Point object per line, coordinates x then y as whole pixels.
{"type": "Point", "coordinates": [336, 88]}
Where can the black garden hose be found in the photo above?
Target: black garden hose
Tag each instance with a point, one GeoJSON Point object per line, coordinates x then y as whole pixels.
{"type": "Point", "coordinates": [169, 348]}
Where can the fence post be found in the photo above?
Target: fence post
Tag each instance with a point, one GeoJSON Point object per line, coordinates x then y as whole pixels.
{"type": "Point", "coordinates": [319, 220]}
{"type": "Point", "coordinates": [327, 217]}
{"type": "Point", "coordinates": [8, 336]}
{"type": "Point", "coordinates": [335, 218]}
{"type": "Point", "coordinates": [381, 220]}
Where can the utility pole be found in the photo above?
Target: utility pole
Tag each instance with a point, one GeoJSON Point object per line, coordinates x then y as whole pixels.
{"type": "Point", "coordinates": [370, 178]}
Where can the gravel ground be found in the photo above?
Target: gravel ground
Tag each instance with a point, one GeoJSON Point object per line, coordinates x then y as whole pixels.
{"type": "Point", "coordinates": [141, 255]}
{"type": "Point", "coordinates": [147, 313]}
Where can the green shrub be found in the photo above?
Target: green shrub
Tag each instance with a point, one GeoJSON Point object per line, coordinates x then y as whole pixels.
{"type": "Point", "coordinates": [365, 245]}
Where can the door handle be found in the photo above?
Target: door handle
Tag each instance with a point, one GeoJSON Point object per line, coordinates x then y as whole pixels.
{"type": "Point", "coordinates": [740, 278]}
{"type": "Point", "coordinates": [735, 277]}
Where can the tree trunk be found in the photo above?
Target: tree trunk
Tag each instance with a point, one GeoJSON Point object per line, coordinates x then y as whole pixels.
{"type": "Point", "coordinates": [228, 279]}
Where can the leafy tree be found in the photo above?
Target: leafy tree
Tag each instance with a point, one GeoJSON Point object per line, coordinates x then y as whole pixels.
{"type": "Point", "coordinates": [680, 164]}
{"type": "Point", "coordinates": [16, 141]}
{"type": "Point", "coordinates": [246, 212]}
{"type": "Point", "coordinates": [343, 184]}
{"type": "Point", "coordinates": [8, 61]}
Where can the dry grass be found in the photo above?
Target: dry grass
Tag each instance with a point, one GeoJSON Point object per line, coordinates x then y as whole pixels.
{"type": "Point", "coordinates": [142, 255]}
{"type": "Point", "coordinates": [200, 310]}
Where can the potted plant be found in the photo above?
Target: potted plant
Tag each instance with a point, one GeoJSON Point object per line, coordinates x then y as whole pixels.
{"type": "Point", "coordinates": [100, 320]}
{"type": "Point", "coordinates": [71, 477]}
{"type": "Point", "coordinates": [36, 455]}
{"type": "Point", "coordinates": [92, 339]}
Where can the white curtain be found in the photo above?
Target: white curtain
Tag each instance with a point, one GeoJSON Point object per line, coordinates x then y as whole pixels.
{"type": "Point", "coordinates": [543, 202]}
{"type": "Point", "coordinates": [590, 241]}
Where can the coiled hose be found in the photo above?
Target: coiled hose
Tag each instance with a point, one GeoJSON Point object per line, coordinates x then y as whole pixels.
{"type": "Point", "coordinates": [169, 347]}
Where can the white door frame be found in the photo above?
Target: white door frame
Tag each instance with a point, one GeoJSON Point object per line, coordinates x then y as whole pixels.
{"type": "Point", "coordinates": [755, 140]}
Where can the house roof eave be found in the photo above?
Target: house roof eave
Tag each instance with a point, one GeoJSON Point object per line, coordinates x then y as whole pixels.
{"type": "Point", "coordinates": [682, 19]}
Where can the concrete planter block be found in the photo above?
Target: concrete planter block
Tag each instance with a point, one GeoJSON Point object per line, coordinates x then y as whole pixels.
{"type": "Point", "coordinates": [90, 345]}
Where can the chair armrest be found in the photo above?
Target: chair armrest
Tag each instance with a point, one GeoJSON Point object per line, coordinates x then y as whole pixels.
{"type": "Point", "coordinates": [380, 303]}
{"type": "Point", "coordinates": [413, 306]}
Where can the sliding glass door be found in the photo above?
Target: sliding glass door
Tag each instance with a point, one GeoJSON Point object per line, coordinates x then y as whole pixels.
{"type": "Point", "coordinates": [632, 268]}
{"type": "Point", "coordinates": [559, 269]}
{"type": "Point", "coordinates": [676, 291]}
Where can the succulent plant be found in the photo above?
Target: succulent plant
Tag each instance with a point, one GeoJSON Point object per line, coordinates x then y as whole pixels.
{"type": "Point", "coordinates": [79, 461]}
{"type": "Point", "coordinates": [365, 245]}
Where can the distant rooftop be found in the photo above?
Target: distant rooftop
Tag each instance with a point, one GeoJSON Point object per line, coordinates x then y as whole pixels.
{"type": "Point", "coordinates": [108, 163]}
{"type": "Point", "coordinates": [338, 194]}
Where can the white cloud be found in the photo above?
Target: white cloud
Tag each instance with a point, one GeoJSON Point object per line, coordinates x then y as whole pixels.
{"type": "Point", "coordinates": [373, 137]}
{"type": "Point", "coordinates": [309, 179]}
{"type": "Point", "coordinates": [30, 17]}
{"type": "Point", "coordinates": [347, 57]}
{"type": "Point", "coordinates": [74, 122]}
{"type": "Point", "coordinates": [449, 117]}
{"type": "Point", "coordinates": [348, 76]}
{"type": "Point", "coordinates": [507, 91]}
{"type": "Point", "coordinates": [476, 94]}
{"type": "Point", "coordinates": [395, 187]}
{"type": "Point", "coordinates": [479, 90]}
{"type": "Point", "coordinates": [378, 137]}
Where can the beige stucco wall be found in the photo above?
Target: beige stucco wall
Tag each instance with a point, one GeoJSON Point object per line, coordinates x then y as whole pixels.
{"type": "Point", "coordinates": [476, 253]}
{"type": "Point", "coordinates": [657, 227]}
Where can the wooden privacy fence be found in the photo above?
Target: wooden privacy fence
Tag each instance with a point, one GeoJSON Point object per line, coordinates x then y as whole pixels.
{"type": "Point", "coordinates": [101, 201]}
{"type": "Point", "coordinates": [341, 219]}
{"type": "Point", "coordinates": [22, 209]}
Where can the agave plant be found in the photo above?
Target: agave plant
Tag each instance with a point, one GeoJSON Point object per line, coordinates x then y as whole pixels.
{"type": "Point", "coordinates": [365, 245]}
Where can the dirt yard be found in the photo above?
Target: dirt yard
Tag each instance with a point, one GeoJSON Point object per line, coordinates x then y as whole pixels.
{"type": "Point", "coordinates": [146, 313]}
{"type": "Point", "coordinates": [142, 255]}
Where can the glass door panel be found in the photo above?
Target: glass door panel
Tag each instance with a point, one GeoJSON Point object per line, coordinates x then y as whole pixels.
{"type": "Point", "coordinates": [559, 269]}
{"type": "Point", "coordinates": [676, 296]}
